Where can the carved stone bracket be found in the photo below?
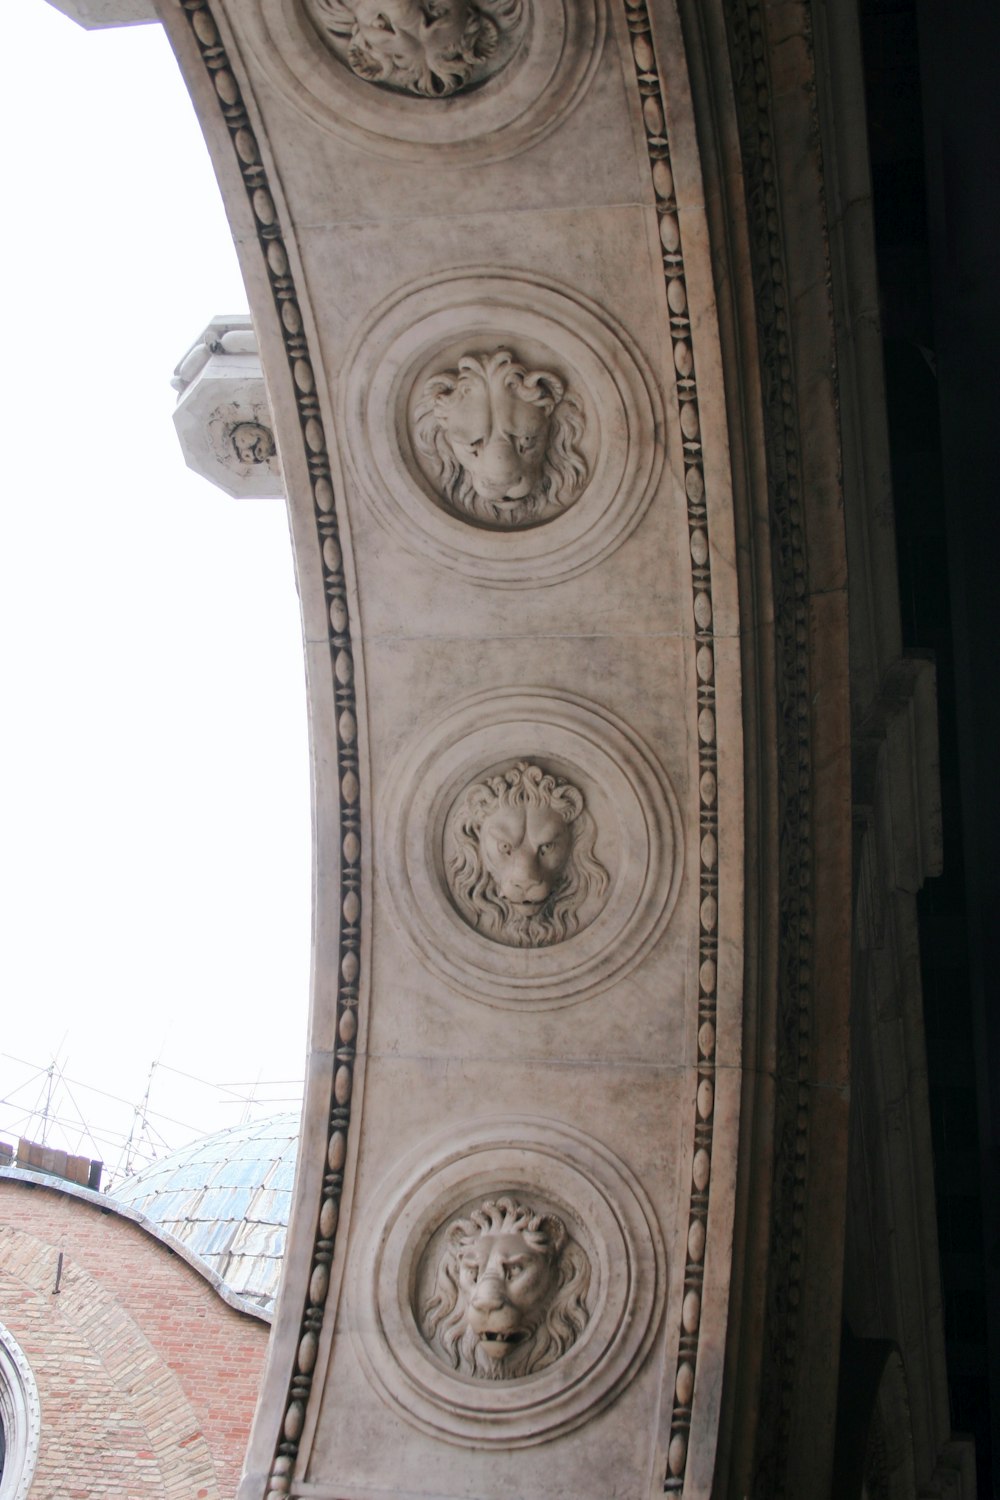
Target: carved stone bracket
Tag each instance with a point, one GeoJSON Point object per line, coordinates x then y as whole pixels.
{"type": "Point", "coordinates": [96, 15]}
{"type": "Point", "coordinates": [222, 417]}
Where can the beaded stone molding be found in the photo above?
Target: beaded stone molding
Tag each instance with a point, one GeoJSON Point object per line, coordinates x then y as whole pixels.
{"type": "Point", "coordinates": [313, 438]}
{"type": "Point", "coordinates": [307, 86]}
{"type": "Point", "coordinates": [607, 1303]}
{"type": "Point", "coordinates": [616, 446]}
{"type": "Point", "coordinates": [654, 124]}
{"type": "Point", "coordinates": [549, 64]}
{"type": "Point", "coordinates": [636, 847]}
{"type": "Point", "coordinates": [796, 918]}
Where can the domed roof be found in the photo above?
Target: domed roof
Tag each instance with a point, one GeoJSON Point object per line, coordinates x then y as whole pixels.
{"type": "Point", "coordinates": [227, 1198]}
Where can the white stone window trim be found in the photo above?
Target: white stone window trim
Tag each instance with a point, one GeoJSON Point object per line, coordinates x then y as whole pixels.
{"type": "Point", "coordinates": [21, 1415]}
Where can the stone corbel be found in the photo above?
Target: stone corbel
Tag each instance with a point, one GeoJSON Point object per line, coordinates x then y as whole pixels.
{"type": "Point", "coordinates": [223, 418]}
{"type": "Point", "coordinates": [96, 15]}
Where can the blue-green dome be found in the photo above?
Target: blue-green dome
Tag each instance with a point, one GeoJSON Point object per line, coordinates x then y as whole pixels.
{"type": "Point", "coordinates": [227, 1198]}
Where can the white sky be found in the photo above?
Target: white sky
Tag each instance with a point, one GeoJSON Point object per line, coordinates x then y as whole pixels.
{"type": "Point", "coordinates": [154, 854]}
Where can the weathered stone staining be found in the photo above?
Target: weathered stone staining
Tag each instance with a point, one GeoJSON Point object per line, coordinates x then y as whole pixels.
{"type": "Point", "coordinates": [501, 441]}
{"type": "Point", "coordinates": [510, 1292]}
{"type": "Point", "coordinates": [431, 48]}
{"type": "Point", "coordinates": [252, 442]}
{"type": "Point", "coordinates": [520, 857]}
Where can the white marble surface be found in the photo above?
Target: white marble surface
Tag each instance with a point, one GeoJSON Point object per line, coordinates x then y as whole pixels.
{"type": "Point", "coordinates": [601, 646]}
{"type": "Point", "coordinates": [93, 14]}
{"type": "Point", "coordinates": [223, 418]}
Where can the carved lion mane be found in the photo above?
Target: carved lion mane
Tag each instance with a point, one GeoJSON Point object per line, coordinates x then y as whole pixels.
{"type": "Point", "coordinates": [446, 1318]}
{"type": "Point", "coordinates": [442, 62]}
{"type": "Point", "coordinates": [564, 472]}
{"type": "Point", "coordinates": [473, 885]}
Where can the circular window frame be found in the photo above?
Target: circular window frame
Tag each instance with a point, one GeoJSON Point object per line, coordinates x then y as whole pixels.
{"type": "Point", "coordinates": [21, 1416]}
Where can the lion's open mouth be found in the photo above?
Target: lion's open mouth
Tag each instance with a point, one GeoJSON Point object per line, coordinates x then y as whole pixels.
{"type": "Point", "coordinates": [514, 1336]}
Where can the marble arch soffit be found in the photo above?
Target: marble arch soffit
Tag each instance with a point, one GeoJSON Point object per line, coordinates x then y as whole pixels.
{"type": "Point", "coordinates": [476, 239]}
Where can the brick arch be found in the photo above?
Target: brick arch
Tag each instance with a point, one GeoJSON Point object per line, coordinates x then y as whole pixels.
{"type": "Point", "coordinates": [113, 1411]}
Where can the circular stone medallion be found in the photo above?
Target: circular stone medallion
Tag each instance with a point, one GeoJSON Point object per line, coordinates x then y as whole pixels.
{"type": "Point", "coordinates": [478, 80]}
{"type": "Point", "coordinates": [501, 427]}
{"type": "Point", "coordinates": [513, 1284]}
{"type": "Point", "coordinates": [430, 50]}
{"type": "Point", "coordinates": [608, 881]}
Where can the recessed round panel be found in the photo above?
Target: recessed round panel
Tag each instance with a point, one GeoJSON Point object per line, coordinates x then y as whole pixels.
{"type": "Point", "coordinates": [628, 855]}
{"type": "Point", "coordinates": [501, 427]}
{"type": "Point", "coordinates": [477, 81]}
{"type": "Point", "coordinates": [567, 1225]}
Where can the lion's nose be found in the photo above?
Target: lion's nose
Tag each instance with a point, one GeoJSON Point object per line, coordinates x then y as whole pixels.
{"type": "Point", "coordinates": [531, 890]}
{"type": "Point", "coordinates": [525, 871]}
{"type": "Point", "coordinates": [500, 472]}
{"type": "Point", "coordinates": [525, 890]}
{"type": "Point", "coordinates": [488, 1295]}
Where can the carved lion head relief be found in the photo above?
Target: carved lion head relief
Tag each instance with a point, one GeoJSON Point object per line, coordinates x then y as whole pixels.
{"type": "Point", "coordinates": [502, 442]}
{"type": "Point", "coordinates": [252, 442]}
{"type": "Point", "coordinates": [510, 1292]}
{"type": "Point", "coordinates": [520, 857]}
{"type": "Point", "coordinates": [432, 48]}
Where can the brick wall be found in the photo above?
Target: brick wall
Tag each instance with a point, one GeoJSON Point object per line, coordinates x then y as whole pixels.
{"type": "Point", "coordinates": [147, 1378]}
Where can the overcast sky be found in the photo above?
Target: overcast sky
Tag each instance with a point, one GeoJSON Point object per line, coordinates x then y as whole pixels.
{"type": "Point", "coordinates": [155, 833]}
